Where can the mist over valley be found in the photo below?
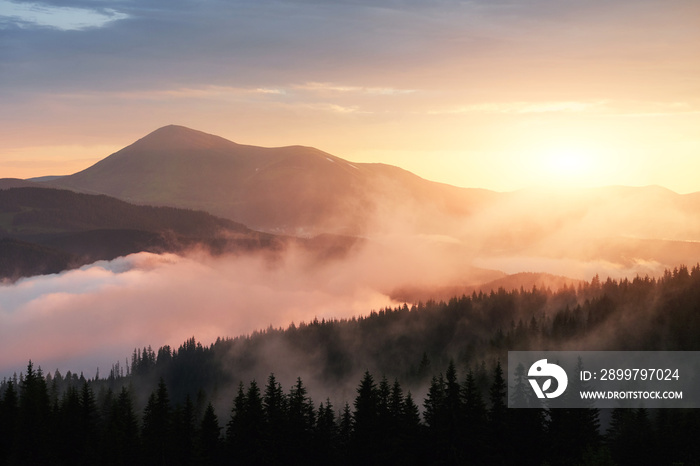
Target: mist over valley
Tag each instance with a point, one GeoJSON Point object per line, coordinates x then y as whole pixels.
{"type": "Point", "coordinates": [288, 235]}
{"type": "Point", "coordinates": [359, 211]}
{"type": "Point", "coordinates": [187, 267]}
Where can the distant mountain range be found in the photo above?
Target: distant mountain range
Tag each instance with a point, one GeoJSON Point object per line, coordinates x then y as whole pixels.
{"type": "Point", "coordinates": [304, 192]}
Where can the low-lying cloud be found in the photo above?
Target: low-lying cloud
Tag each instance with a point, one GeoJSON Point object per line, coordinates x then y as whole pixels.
{"type": "Point", "coordinates": [94, 316]}
{"type": "Point", "coordinates": [91, 317]}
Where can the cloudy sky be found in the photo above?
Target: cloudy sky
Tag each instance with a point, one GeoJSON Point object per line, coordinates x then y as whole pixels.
{"type": "Point", "coordinates": [486, 93]}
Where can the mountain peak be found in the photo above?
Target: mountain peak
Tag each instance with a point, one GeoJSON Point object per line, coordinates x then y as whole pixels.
{"type": "Point", "coordinates": [293, 189]}
{"type": "Point", "coordinates": [176, 137]}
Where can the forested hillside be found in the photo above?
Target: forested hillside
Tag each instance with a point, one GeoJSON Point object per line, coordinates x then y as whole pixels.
{"type": "Point", "coordinates": [46, 230]}
{"type": "Point", "coordinates": [414, 385]}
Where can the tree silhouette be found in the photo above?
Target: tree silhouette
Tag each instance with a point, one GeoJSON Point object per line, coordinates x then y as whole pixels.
{"type": "Point", "coordinates": [8, 421]}
{"type": "Point", "coordinates": [526, 422]}
{"type": "Point", "coordinates": [366, 436]}
{"type": "Point", "coordinates": [208, 444]}
{"type": "Point", "coordinates": [33, 420]}
{"type": "Point", "coordinates": [475, 416]}
{"type": "Point", "coordinates": [498, 417]}
{"type": "Point", "coordinates": [157, 426]}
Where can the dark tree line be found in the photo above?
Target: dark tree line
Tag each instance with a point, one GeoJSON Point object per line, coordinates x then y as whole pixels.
{"type": "Point", "coordinates": [464, 420]}
{"type": "Point", "coordinates": [158, 407]}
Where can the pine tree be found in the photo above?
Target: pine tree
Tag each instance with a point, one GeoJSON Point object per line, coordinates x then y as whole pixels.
{"type": "Point", "coordinates": [301, 418]}
{"type": "Point", "coordinates": [366, 421]}
{"type": "Point", "coordinates": [630, 438]}
{"type": "Point", "coordinates": [424, 370]}
{"type": "Point", "coordinates": [246, 430]}
{"type": "Point", "coordinates": [325, 435]}
{"type": "Point", "coordinates": [527, 422]}
{"type": "Point", "coordinates": [8, 421]}
{"type": "Point", "coordinates": [275, 406]}
{"type": "Point", "coordinates": [121, 432]}
{"type": "Point", "coordinates": [475, 415]}
{"type": "Point", "coordinates": [255, 424]}
{"type": "Point", "coordinates": [434, 405]}
{"type": "Point", "coordinates": [235, 426]}
{"type": "Point", "coordinates": [396, 404]}
{"type": "Point", "coordinates": [69, 431]}
{"type": "Point", "coordinates": [345, 427]}
{"type": "Point", "coordinates": [157, 426]}
{"type": "Point", "coordinates": [208, 440]}
{"type": "Point", "coordinates": [409, 447]}
{"type": "Point", "coordinates": [498, 417]}
{"type": "Point", "coordinates": [184, 433]}
{"type": "Point", "coordinates": [454, 426]}
{"type": "Point", "coordinates": [572, 431]}
{"type": "Point", "coordinates": [89, 425]}
{"type": "Point", "coordinates": [33, 421]}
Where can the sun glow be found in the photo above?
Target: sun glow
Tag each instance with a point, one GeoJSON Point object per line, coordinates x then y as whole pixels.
{"type": "Point", "coordinates": [569, 162]}
{"type": "Point", "coordinates": [572, 166]}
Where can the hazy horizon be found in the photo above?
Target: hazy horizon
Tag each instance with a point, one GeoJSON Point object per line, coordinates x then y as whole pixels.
{"type": "Point", "coordinates": [565, 165]}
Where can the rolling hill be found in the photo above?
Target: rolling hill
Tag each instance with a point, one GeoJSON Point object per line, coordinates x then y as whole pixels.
{"type": "Point", "coordinates": [49, 230]}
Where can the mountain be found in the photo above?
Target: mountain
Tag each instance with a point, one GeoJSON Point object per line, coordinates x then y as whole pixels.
{"type": "Point", "coordinates": [304, 192]}
{"type": "Point", "coordinates": [23, 259]}
{"type": "Point", "coordinates": [296, 190]}
{"type": "Point", "coordinates": [8, 183]}
{"type": "Point", "coordinates": [49, 230]}
{"type": "Point", "coordinates": [487, 284]}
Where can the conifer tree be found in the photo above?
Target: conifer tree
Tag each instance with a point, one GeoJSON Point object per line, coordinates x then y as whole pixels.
{"type": "Point", "coordinates": [527, 422]}
{"type": "Point", "coordinates": [366, 420]}
{"type": "Point", "coordinates": [498, 417]}
{"type": "Point", "coordinates": [208, 440]}
{"type": "Point", "coordinates": [157, 426]}
{"type": "Point", "coordinates": [33, 421]}
{"type": "Point", "coordinates": [325, 435]}
{"type": "Point", "coordinates": [475, 415]}
{"type": "Point", "coordinates": [453, 416]}
{"type": "Point", "coordinates": [301, 418]}
{"type": "Point", "coordinates": [246, 430]}
{"type": "Point", "coordinates": [184, 433]}
{"type": "Point", "coordinates": [275, 407]}
{"type": "Point", "coordinates": [572, 431]}
{"type": "Point", "coordinates": [345, 428]}
{"type": "Point", "coordinates": [434, 404]}
{"type": "Point", "coordinates": [121, 432]}
{"type": "Point", "coordinates": [8, 421]}
{"type": "Point", "coordinates": [89, 425]}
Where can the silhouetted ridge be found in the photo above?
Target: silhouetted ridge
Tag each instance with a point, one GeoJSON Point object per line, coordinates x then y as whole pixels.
{"type": "Point", "coordinates": [50, 230]}
{"type": "Point", "coordinates": [294, 190]}
{"type": "Point", "coordinates": [174, 137]}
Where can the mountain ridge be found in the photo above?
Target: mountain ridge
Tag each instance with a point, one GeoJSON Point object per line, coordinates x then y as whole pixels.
{"type": "Point", "coordinates": [304, 192]}
{"type": "Point", "coordinates": [292, 189]}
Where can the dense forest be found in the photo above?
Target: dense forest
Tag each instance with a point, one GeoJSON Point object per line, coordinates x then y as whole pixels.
{"type": "Point", "coordinates": [421, 384]}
